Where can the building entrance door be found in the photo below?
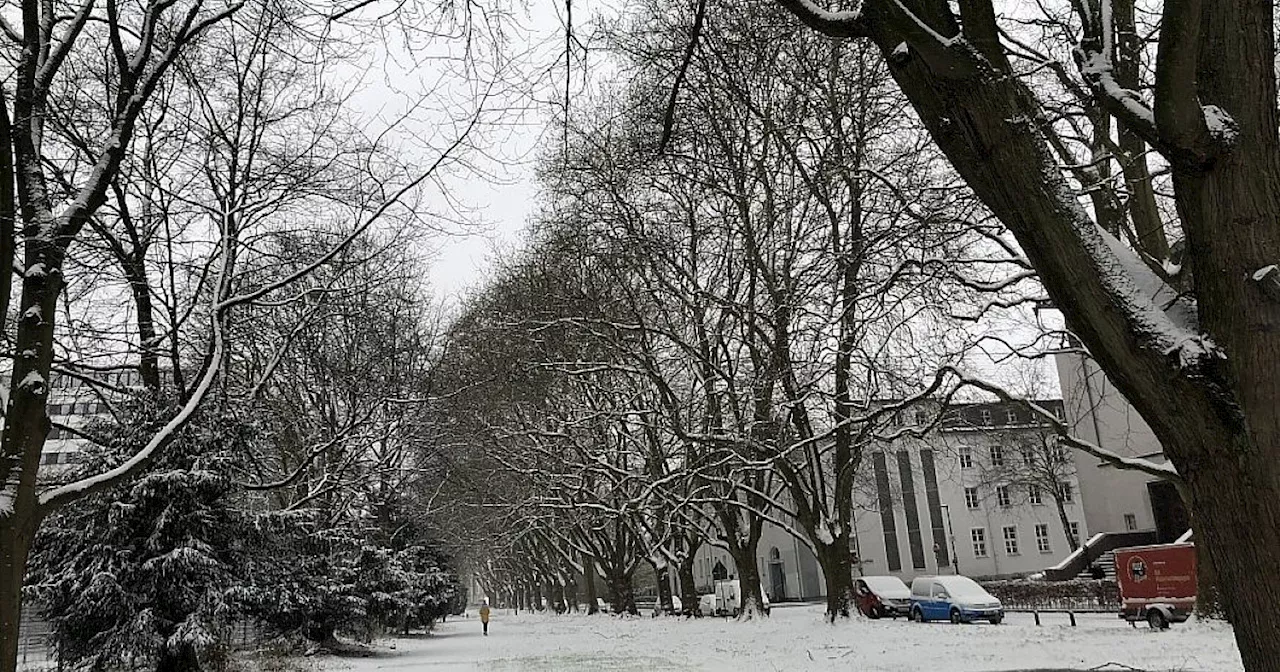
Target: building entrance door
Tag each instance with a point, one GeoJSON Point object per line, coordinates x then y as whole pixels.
{"type": "Point", "coordinates": [1168, 510]}
{"type": "Point", "coordinates": [777, 576]}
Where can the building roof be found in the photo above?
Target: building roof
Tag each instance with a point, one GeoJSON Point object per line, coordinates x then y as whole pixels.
{"type": "Point", "coordinates": [997, 414]}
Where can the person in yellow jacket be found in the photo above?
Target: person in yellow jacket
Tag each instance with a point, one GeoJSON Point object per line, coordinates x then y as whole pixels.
{"type": "Point", "coordinates": [484, 616]}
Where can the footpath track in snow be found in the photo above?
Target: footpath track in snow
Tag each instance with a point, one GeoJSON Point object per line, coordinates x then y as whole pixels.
{"type": "Point", "coordinates": [796, 638]}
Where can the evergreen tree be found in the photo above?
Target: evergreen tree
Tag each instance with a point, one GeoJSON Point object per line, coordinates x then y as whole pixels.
{"type": "Point", "coordinates": [145, 571]}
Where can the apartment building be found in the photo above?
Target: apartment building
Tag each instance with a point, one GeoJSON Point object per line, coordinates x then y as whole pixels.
{"type": "Point", "coordinates": [988, 493]}
{"type": "Point", "coordinates": [73, 404]}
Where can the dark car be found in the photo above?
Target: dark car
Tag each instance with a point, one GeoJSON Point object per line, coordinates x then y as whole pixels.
{"type": "Point", "coordinates": [878, 596]}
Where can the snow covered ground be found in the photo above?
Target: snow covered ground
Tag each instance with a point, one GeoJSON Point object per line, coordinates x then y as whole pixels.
{"type": "Point", "coordinates": [795, 638]}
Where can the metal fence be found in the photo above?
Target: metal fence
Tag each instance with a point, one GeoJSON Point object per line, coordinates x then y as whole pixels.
{"type": "Point", "coordinates": [37, 653]}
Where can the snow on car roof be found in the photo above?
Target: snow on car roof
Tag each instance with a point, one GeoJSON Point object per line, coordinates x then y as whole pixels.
{"type": "Point", "coordinates": [886, 586]}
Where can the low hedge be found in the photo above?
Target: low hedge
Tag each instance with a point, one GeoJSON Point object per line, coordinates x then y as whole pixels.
{"type": "Point", "coordinates": [1082, 594]}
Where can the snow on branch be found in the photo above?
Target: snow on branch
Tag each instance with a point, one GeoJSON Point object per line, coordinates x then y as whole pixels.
{"type": "Point", "coordinates": [835, 23]}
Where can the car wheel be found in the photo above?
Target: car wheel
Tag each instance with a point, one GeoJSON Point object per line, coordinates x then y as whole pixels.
{"type": "Point", "coordinates": [874, 613]}
{"type": "Point", "coordinates": [917, 615]}
{"type": "Point", "coordinates": [995, 620]}
{"type": "Point", "coordinates": [955, 616]}
{"type": "Point", "coordinates": [735, 613]}
{"type": "Point", "coordinates": [1157, 621]}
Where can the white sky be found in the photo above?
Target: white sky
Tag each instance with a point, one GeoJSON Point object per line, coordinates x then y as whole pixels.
{"type": "Point", "coordinates": [500, 195]}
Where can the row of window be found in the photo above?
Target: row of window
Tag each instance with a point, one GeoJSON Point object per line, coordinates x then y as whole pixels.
{"type": "Point", "coordinates": [1010, 415]}
{"type": "Point", "coordinates": [78, 408]}
{"type": "Point", "coordinates": [1009, 533]}
{"type": "Point", "coordinates": [62, 433]}
{"type": "Point", "coordinates": [59, 458]}
{"type": "Point", "coordinates": [1057, 455]}
{"type": "Point", "coordinates": [1004, 496]}
{"type": "Point", "coordinates": [124, 378]}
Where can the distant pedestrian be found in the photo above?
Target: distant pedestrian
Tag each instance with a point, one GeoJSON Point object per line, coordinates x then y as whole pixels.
{"type": "Point", "coordinates": [484, 616]}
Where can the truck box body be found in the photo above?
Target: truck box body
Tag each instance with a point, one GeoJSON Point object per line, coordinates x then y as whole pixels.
{"type": "Point", "coordinates": [1160, 575]}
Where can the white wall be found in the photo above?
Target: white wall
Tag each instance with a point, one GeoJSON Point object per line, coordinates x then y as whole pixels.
{"type": "Point", "coordinates": [1097, 412]}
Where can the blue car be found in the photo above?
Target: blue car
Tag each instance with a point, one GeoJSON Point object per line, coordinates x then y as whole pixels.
{"type": "Point", "coordinates": [958, 599]}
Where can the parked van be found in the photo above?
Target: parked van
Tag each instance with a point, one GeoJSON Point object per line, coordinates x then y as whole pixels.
{"type": "Point", "coordinates": [958, 599]}
{"type": "Point", "coordinates": [727, 600]}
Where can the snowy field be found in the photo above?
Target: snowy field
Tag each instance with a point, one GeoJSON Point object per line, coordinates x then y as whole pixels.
{"type": "Point", "coordinates": [795, 638]}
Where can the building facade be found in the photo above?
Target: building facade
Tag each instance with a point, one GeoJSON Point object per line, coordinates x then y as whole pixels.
{"type": "Point", "coordinates": [1116, 500]}
{"type": "Point", "coordinates": [988, 493]}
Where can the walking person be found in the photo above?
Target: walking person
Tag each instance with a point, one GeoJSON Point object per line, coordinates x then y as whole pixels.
{"type": "Point", "coordinates": [484, 616]}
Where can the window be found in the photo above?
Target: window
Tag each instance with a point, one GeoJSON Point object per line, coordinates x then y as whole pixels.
{"type": "Point", "coordinates": [1002, 496]}
{"type": "Point", "coordinates": [986, 416]}
{"type": "Point", "coordinates": [966, 457]}
{"type": "Point", "coordinates": [997, 456]}
{"type": "Point", "coordinates": [1057, 453]}
{"type": "Point", "coordinates": [971, 497]}
{"type": "Point", "coordinates": [1130, 522]}
{"type": "Point", "coordinates": [1042, 538]}
{"type": "Point", "coordinates": [979, 537]}
{"type": "Point", "coordinates": [1074, 528]}
{"type": "Point", "coordinates": [1068, 495]}
{"type": "Point", "coordinates": [1028, 457]}
{"type": "Point", "coordinates": [1011, 416]}
{"type": "Point", "coordinates": [1010, 540]}
{"type": "Point", "coordinates": [921, 418]}
{"type": "Point", "coordinates": [1033, 494]}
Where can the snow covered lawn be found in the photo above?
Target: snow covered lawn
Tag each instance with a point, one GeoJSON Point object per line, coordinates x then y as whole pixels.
{"type": "Point", "coordinates": [795, 638]}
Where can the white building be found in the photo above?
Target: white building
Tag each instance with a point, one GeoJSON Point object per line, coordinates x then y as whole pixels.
{"type": "Point", "coordinates": [72, 405]}
{"type": "Point", "coordinates": [944, 504]}
{"type": "Point", "coordinates": [1116, 500]}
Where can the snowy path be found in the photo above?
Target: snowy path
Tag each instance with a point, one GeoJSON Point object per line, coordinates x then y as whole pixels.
{"type": "Point", "coordinates": [796, 639]}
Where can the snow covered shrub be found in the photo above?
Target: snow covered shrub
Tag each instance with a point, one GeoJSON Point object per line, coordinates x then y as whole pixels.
{"type": "Point", "coordinates": [331, 579]}
{"type": "Point", "coordinates": [1073, 594]}
{"type": "Point", "coordinates": [140, 574]}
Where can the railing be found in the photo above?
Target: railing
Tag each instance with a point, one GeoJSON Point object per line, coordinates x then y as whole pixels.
{"type": "Point", "coordinates": [1096, 547]}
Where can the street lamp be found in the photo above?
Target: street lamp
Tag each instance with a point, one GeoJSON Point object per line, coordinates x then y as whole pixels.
{"type": "Point", "coordinates": [955, 559]}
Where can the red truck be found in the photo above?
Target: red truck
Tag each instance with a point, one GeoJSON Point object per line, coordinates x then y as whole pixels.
{"type": "Point", "coordinates": [1157, 583]}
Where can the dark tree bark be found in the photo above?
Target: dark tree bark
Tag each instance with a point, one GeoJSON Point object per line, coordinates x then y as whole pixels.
{"type": "Point", "coordinates": [589, 576]}
{"type": "Point", "coordinates": [837, 573]}
{"type": "Point", "coordinates": [665, 604]}
{"type": "Point", "coordinates": [744, 558]}
{"type": "Point", "coordinates": [688, 588]}
{"type": "Point", "coordinates": [622, 592]}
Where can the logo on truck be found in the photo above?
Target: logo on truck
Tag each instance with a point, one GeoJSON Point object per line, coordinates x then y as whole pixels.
{"type": "Point", "coordinates": [1137, 569]}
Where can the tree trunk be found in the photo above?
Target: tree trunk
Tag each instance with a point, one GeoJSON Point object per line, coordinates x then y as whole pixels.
{"type": "Point", "coordinates": [838, 575]}
{"type": "Point", "coordinates": [688, 588]}
{"type": "Point", "coordinates": [323, 633]}
{"type": "Point", "coordinates": [665, 605]}
{"type": "Point", "coordinates": [14, 547]}
{"type": "Point", "coordinates": [744, 557]}
{"type": "Point", "coordinates": [623, 593]}
{"type": "Point", "coordinates": [1066, 524]}
{"type": "Point", "coordinates": [589, 577]}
